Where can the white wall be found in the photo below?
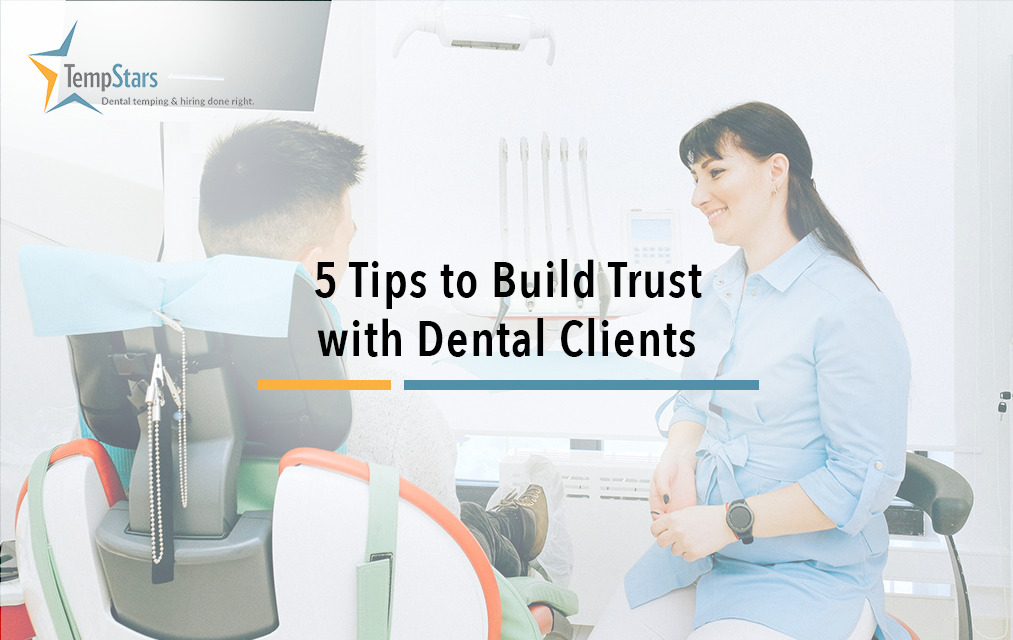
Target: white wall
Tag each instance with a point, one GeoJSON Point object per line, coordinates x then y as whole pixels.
{"type": "Point", "coordinates": [983, 292]}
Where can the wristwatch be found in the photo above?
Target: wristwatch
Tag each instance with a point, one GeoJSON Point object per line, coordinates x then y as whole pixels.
{"type": "Point", "coordinates": [739, 518]}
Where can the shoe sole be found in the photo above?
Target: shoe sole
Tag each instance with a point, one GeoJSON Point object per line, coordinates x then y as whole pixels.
{"type": "Point", "coordinates": [541, 509]}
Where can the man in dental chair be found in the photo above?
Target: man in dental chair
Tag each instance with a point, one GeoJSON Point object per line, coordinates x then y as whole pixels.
{"type": "Point", "coordinates": [279, 189]}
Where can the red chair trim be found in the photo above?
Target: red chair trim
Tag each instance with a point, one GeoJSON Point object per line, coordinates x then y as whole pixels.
{"type": "Point", "coordinates": [103, 464]}
{"type": "Point", "coordinates": [914, 636]}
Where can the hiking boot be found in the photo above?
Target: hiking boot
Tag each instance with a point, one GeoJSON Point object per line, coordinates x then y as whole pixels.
{"type": "Point", "coordinates": [525, 521]}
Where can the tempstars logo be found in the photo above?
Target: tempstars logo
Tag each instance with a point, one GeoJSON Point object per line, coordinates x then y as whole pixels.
{"type": "Point", "coordinates": [117, 77]}
{"type": "Point", "coordinates": [52, 75]}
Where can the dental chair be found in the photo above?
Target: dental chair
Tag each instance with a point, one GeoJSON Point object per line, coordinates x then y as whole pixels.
{"type": "Point", "coordinates": [349, 549]}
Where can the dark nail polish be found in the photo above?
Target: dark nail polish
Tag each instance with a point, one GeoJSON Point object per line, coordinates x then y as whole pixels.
{"type": "Point", "coordinates": [665, 497]}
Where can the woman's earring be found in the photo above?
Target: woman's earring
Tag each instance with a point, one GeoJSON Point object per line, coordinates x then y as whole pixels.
{"type": "Point", "coordinates": [775, 189]}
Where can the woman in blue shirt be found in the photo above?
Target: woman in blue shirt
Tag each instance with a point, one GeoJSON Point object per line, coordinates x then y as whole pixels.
{"type": "Point", "coordinates": [768, 505]}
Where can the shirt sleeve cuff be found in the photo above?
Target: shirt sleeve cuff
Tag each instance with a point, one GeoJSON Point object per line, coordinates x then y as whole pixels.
{"type": "Point", "coordinates": [684, 412]}
{"type": "Point", "coordinates": [849, 511]}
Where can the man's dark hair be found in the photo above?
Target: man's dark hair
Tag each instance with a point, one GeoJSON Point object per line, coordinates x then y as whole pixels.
{"type": "Point", "coordinates": [272, 188]}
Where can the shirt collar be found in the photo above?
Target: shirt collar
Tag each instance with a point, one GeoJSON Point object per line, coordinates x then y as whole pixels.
{"type": "Point", "coordinates": [781, 273]}
{"type": "Point", "coordinates": [734, 268]}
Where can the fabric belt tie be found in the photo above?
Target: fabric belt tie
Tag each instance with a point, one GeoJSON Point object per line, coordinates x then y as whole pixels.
{"type": "Point", "coordinates": [718, 459]}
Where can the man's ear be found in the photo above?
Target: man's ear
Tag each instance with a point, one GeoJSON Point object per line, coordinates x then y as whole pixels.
{"type": "Point", "coordinates": [309, 257]}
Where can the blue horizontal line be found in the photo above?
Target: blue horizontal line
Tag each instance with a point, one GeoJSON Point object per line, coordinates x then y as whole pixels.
{"type": "Point", "coordinates": [581, 385]}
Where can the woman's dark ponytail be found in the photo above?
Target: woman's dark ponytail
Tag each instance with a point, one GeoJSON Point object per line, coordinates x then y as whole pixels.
{"type": "Point", "coordinates": [808, 213]}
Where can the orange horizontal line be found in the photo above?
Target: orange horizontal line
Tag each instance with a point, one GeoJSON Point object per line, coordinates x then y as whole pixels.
{"type": "Point", "coordinates": [323, 385]}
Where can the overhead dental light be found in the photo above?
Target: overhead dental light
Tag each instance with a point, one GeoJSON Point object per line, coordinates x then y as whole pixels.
{"type": "Point", "coordinates": [474, 26]}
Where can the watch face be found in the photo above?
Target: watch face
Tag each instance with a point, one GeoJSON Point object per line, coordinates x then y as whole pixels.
{"type": "Point", "coordinates": [739, 517]}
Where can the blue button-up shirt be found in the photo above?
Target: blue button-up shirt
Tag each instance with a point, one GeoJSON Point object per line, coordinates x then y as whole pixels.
{"type": "Point", "coordinates": [830, 414]}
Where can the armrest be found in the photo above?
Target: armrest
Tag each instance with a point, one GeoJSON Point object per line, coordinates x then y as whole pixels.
{"type": "Point", "coordinates": [939, 491]}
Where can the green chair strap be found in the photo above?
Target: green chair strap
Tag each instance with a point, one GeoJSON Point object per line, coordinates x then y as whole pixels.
{"type": "Point", "coordinates": [375, 577]}
{"type": "Point", "coordinates": [49, 575]}
{"type": "Point", "coordinates": [384, 494]}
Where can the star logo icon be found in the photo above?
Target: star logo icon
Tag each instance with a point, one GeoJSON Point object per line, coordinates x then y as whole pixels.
{"type": "Point", "coordinates": [51, 75]}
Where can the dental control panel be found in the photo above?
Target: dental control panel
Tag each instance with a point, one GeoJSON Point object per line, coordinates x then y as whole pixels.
{"type": "Point", "coordinates": [651, 237]}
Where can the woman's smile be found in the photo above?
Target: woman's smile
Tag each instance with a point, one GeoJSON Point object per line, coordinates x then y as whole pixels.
{"type": "Point", "coordinates": [713, 213]}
